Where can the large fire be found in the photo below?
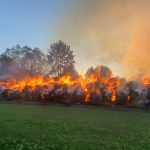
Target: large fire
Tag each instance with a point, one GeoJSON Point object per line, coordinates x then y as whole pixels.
{"type": "Point", "coordinates": [92, 84]}
{"type": "Point", "coordinates": [146, 81]}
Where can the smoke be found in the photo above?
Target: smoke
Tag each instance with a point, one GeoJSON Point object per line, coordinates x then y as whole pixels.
{"type": "Point", "coordinates": [8, 71]}
{"type": "Point", "coordinates": [110, 32]}
{"type": "Point", "coordinates": [11, 71]}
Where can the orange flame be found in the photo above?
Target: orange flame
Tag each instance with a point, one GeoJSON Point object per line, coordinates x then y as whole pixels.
{"type": "Point", "coordinates": [146, 81]}
{"type": "Point", "coordinates": [113, 97]}
{"type": "Point", "coordinates": [88, 84]}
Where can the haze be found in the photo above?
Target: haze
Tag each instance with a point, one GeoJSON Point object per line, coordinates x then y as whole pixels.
{"type": "Point", "coordinates": [110, 32]}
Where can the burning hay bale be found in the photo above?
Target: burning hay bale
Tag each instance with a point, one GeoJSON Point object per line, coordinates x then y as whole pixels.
{"type": "Point", "coordinates": [95, 98]}
{"type": "Point", "coordinates": [70, 97]}
{"type": "Point", "coordinates": [74, 95]}
{"type": "Point", "coordinates": [143, 100]}
{"type": "Point", "coordinates": [60, 93]}
{"type": "Point", "coordinates": [80, 95]}
{"type": "Point", "coordinates": [138, 95]}
{"type": "Point", "coordinates": [15, 95]}
{"type": "Point", "coordinates": [27, 93]}
{"type": "Point", "coordinates": [49, 96]}
{"type": "Point", "coordinates": [106, 96]}
{"type": "Point", "coordinates": [49, 93]}
{"type": "Point", "coordinates": [121, 97]}
{"type": "Point", "coordinates": [147, 104]}
{"type": "Point", "coordinates": [94, 90]}
{"type": "Point", "coordinates": [5, 94]}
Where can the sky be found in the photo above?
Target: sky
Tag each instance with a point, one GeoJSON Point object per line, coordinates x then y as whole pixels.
{"type": "Point", "coordinates": [115, 33]}
{"type": "Point", "coordinates": [26, 22]}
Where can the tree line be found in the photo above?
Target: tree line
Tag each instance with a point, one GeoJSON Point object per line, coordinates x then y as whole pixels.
{"type": "Point", "coordinates": [58, 61]}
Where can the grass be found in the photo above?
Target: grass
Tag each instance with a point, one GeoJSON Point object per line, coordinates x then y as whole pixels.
{"type": "Point", "coordinates": [38, 127]}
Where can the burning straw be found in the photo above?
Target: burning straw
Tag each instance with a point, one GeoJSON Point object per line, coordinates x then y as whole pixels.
{"type": "Point", "coordinates": [94, 89]}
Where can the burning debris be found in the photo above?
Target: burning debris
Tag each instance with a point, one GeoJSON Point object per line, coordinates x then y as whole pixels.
{"type": "Point", "coordinates": [95, 89]}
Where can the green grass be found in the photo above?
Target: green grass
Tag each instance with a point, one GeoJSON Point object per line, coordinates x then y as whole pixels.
{"type": "Point", "coordinates": [24, 127]}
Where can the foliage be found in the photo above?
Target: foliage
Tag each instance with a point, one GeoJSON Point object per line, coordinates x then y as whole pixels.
{"type": "Point", "coordinates": [61, 58]}
{"type": "Point", "coordinates": [7, 66]}
{"type": "Point", "coordinates": [28, 61]}
{"type": "Point", "coordinates": [102, 71]}
{"type": "Point", "coordinates": [33, 61]}
{"type": "Point", "coordinates": [25, 60]}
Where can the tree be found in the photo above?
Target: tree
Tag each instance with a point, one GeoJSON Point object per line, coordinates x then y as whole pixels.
{"type": "Point", "coordinates": [32, 61]}
{"type": "Point", "coordinates": [24, 61]}
{"type": "Point", "coordinates": [61, 58]}
{"type": "Point", "coordinates": [104, 71]}
{"type": "Point", "coordinates": [90, 71]}
{"type": "Point", "coordinates": [100, 71]}
{"type": "Point", "coordinates": [71, 70]}
{"type": "Point", "coordinates": [13, 52]}
{"type": "Point", "coordinates": [5, 59]}
{"type": "Point", "coordinates": [5, 63]}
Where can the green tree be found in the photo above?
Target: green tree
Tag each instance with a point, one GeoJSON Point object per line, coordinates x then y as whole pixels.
{"type": "Point", "coordinates": [61, 58]}
{"type": "Point", "coordinates": [25, 60]}
{"type": "Point", "coordinates": [33, 61]}
{"type": "Point", "coordinates": [5, 63]}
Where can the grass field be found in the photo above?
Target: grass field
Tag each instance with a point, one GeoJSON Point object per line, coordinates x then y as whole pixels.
{"type": "Point", "coordinates": [24, 127]}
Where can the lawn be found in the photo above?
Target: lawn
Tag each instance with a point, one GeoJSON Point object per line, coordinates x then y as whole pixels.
{"type": "Point", "coordinates": [24, 127]}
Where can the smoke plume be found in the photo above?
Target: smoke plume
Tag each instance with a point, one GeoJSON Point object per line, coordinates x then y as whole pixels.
{"type": "Point", "coordinates": [110, 32]}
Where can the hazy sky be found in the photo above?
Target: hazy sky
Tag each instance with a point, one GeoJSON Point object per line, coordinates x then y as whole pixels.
{"type": "Point", "coordinates": [110, 32]}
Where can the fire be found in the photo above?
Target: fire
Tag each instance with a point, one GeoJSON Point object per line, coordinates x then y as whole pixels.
{"type": "Point", "coordinates": [66, 80]}
{"type": "Point", "coordinates": [92, 83]}
{"type": "Point", "coordinates": [129, 98]}
{"type": "Point", "coordinates": [146, 81]}
{"type": "Point", "coordinates": [113, 97]}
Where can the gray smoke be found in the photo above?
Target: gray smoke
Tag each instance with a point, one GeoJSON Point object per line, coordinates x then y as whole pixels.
{"type": "Point", "coordinates": [109, 32]}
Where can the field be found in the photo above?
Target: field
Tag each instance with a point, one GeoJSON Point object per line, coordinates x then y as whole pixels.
{"type": "Point", "coordinates": [24, 127]}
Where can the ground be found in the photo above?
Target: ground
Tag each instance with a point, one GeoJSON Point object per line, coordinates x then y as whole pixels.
{"type": "Point", "coordinates": [26, 126]}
